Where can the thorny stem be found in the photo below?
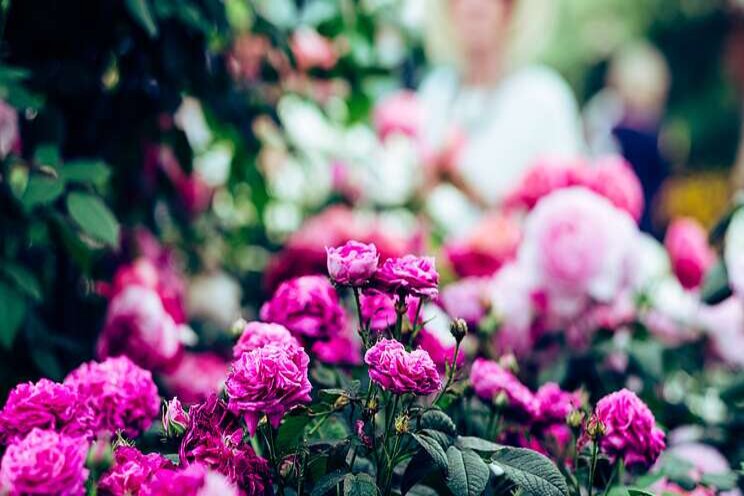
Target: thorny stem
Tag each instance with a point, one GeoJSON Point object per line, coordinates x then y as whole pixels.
{"type": "Point", "coordinates": [450, 374]}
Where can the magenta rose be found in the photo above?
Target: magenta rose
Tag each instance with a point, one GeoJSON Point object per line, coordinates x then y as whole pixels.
{"type": "Point", "coordinates": [378, 309]}
{"type": "Point", "coordinates": [121, 395]}
{"type": "Point", "coordinates": [193, 480]}
{"type": "Point", "coordinates": [270, 380]}
{"type": "Point", "coordinates": [489, 380]}
{"type": "Point", "coordinates": [687, 244]}
{"type": "Point", "coordinates": [46, 405]}
{"type": "Point", "coordinates": [440, 346]}
{"type": "Point", "coordinates": [45, 462]}
{"type": "Point", "coordinates": [343, 349]}
{"type": "Point", "coordinates": [630, 429]}
{"type": "Point", "coordinates": [197, 376]}
{"type": "Point", "coordinates": [131, 470]}
{"type": "Point", "coordinates": [396, 370]}
{"type": "Point", "coordinates": [399, 113]}
{"type": "Point", "coordinates": [409, 275]}
{"type": "Point", "coordinates": [554, 404]}
{"type": "Point", "coordinates": [308, 306]}
{"type": "Point", "coordinates": [353, 263]}
{"type": "Point", "coordinates": [258, 334]}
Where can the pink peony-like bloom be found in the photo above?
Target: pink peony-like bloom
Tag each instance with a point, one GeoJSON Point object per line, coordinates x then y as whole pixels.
{"type": "Point", "coordinates": [630, 429]}
{"type": "Point", "coordinates": [343, 349]}
{"type": "Point", "coordinates": [613, 178]}
{"type": "Point", "coordinates": [131, 470]}
{"type": "Point", "coordinates": [121, 395]}
{"type": "Point", "coordinates": [489, 380]}
{"type": "Point", "coordinates": [440, 346]}
{"type": "Point", "coordinates": [400, 113]}
{"type": "Point", "coordinates": [466, 299]}
{"type": "Point", "coordinates": [486, 248]}
{"type": "Point", "coordinates": [258, 334]}
{"type": "Point", "coordinates": [687, 244]}
{"type": "Point", "coordinates": [553, 404]}
{"type": "Point", "coordinates": [353, 263]}
{"type": "Point", "coordinates": [378, 309]}
{"type": "Point", "coordinates": [10, 137]}
{"type": "Point", "coordinates": [410, 275]}
{"type": "Point", "coordinates": [270, 380]}
{"type": "Point", "coordinates": [46, 405]}
{"type": "Point", "coordinates": [512, 303]}
{"type": "Point", "coordinates": [311, 50]}
{"type": "Point", "coordinates": [45, 462]}
{"type": "Point", "coordinates": [197, 376]}
{"type": "Point", "coordinates": [547, 175]}
{"type": "Point", "coordinates": [193, 480]}
{"type": "Point", "coordinates": [308, 306]}
{"type": "Point", "coordinates": [215, 438]}
{"type": "Point", "coordinates": [138, 327]}
{"type": "Point", "coordinates": [175, 419]}
{"type": "Point", "coordinates": [399, 371]}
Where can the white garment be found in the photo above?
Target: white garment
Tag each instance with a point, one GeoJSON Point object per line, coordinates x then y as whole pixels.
{"type": "Point", "coordinates": [530, 113]}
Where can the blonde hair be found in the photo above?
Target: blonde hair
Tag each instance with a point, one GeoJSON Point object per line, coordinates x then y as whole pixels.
{"type": "Point", "coordinates": [530, 30]}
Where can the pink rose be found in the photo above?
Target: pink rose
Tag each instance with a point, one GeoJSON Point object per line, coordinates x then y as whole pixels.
{"type": "Point", "coordinates": [489, 380]}
{"type": "Point", "coordinates": [398, 113]}
{"type": "Point", "coordinates": [466, 299]}
{"type": "Point", "coordinates": [258, 334]}
{"type": "Point", "coordinates": [121, 395]}
{"type": "Point", "coordinates": [10, 137]}
{"type": "Point", "coordinates": [553, 404]}
{"type": "Point", "coordinates": [614, 178]}
{"type": "Point", "coordinates": [175, 419]}
{"type": "Point", "coordinates": [311, 50]}
{"type": "Point", "coordinates": [197, 376]}
{"type": "Point", "coordinates": [399, 371]}
{"type": "Point", "coordinates": [486, 248]}
{"type": "Point", "coordinates": [440, 346]}
{"type": "Point", "coordinates": [630, 429]}
{"type": "Point", "coordinates": [547, 175]}
{"type": "Point", "coordinates": [270, 380]}
{"type": "Point", "coordinates": [138, 326]}
{"type": "Point", "coordinates": [45, 462]}
{"type": "Point", "coordinates": [352, 264]}
{"type": "Point", "coordinates": [378, 309]}
{"type": "Point", "coordinates": [687, 244]}
{"type": "Point", "coordinates": [343, 349]}
{"type": "Point", "coordinates": [193, 480]}
{"type": "Point", "coordinates": [131, 470]}
{"type": "Point", "coordinates": [308, 306]}
{"type": "Point", "coordinates": [410, 275]}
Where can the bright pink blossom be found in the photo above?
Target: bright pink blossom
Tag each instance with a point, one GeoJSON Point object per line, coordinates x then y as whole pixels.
{"type": "Point", "coordinates": [545, 176]}
{"type": "Point", "coordinates": [486, 248]}
{"type": "Point", "coordinates": [689, 252]}
{"type": "Point", "coordinates": [410, 275]}
{"type": "Point", "coordinates": [400, 371]}
{"type": "Point", "coordinates": [554, 404]}
{"type": "Point", "coordinates": [258, 334]}
{"type": "Point", "coordinates": [353, 263]}
{"type": "Point", "coordinates": [343, 349]}
{"type": "Point", "coordinates": [193, 480]}
{"type": "Point", "coordinates": [440, 347]}
{"type": "Point", "coordinates": [613, 178]}
{"type": "Point", "coordinates": [489, 380]}
{"type": "Point", "coordinates": [197, 376]}
{"type": "Point", "coordinates": [398, 113]}
{"type": "Point", "coordinates": [378, 309]}
{"type": "Point", "coordinates": [131, 470]}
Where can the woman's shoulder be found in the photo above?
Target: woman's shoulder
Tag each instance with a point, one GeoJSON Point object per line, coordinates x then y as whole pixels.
{"type": "Point", "coordinates": [441, 79]}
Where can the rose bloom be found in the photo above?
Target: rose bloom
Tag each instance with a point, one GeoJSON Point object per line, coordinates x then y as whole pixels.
{"type": "Point", "coordinates": [466, 299]}
{"type": "Point", "coordinates": [270, 380]}
{"type": "Point", "coordinates": [131, 470]}
{"type": "Point", "coordinates": [399, 371]}
{"type": "Point", "coordinates": [46, 405]}
{"type": "Point", "coordinates": [411, 275]}
{"type": "Point", "coordinates": [258, 334]}
{"type": "Point", "coordinates": [175, 419]}
{"type": "Point", "coordinates": [197, 376]}
{"type": "Point", "coordinates": [353, 263]}
{"type": "Point", "coordinates": [547, 175]}
{"type": "Point", "coordinates": [121, 395]}
{"type": "Point", "coordinates": [687, 244]}
{"type": "Point", "coordinates": [440, 345]}
{"type": "Point", "coordinates": [193, 480]}
{"type": "Point", "coordinates": [630, 429]}
{"type": "Point", "coordinates": [378, 309]}
{"type": "Point", "coordinates": [311, 50]}
{"type": "Point", "coordinates": [45, 462]}
{"type": "Point", "coordinates": [10, 137]}
{"type": "Point", "coordinates": [486, 248]}
{"type": "Point", "coordinates": [613, 178]}
{"type": "Point", "coordinates": [400, 113]}
{"type": "Point", "coordinates": [138, 326]}
{"type": "Point", "coordinates": [343, 349]}
{"type": "Point", "coordinates": [553, 404]}
{"type": "Point", "coordinates": [578, 245]}
{"type": "Point", "coordinates": [489, 380]}
{"type": "Point", "coordinates": [308, 306]}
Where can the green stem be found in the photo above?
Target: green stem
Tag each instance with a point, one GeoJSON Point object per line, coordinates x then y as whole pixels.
{"type": "Point", "coordinates": [450, 375]}
{"type": "Point", "coordinates": [593, 466]}
{"type": "Point", "coordinates": [362, 329]}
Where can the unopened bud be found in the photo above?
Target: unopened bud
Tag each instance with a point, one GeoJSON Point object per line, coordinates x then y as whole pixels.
{"type": "Point", "coordinates": [401, 424]}
{"type": "Point", "coordinates": [175, 419]}
{"type": "Point", "coordinates": [372, 405]}
{"type": "Point", "coordinates": [501, 400]}
{"type": "Point", "coordinates": [575, 418]}
{"type": "Point", "coordinates": [595, 428]}
{"type": "Point", "coordinates": [238, 327]}
{"type": "Point", "coordinates": [459, 329]}
{"type": "Point", "coordinates": [509, 362]}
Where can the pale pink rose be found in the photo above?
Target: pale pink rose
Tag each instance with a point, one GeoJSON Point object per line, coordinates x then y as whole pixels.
{"type": "Point", "coordinates": [687, 244]}
{"type": "Point", "coordinates": [399, 371]}
{"type": "Point", "coordinates": [614, 178]}
{"type": "Point", "coordinates": [196, 377]}
{"type": "Point", "coordinates": [400, 113]}
{"type": "Point", "coordinates": [353, 263]}
{"type": "Point", "coordinates": [486, 248]}
{"type": "Point", "coordinates": [311, 50]}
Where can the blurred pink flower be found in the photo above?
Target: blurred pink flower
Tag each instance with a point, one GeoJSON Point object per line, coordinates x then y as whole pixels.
{"type": "Point", "coordinates": [10, 137]}
{"type": "Point", "coordinates": [342, 349]}
{"type": "Point", "coordinates": [548, 174]}
{"type": "Point", "coordinates": [400, 113]}
{"type": "Point", "coordinates": [466, 299]}
{"type": "Point", "coordinates": [441, 348]}
{"type": "Point", "coordinates": [553, 404]}
{"type": "Point", "coordinates": [486, 248]}
{"type": "Point", "coordinates": [311, 50]}
{"type": "Point", "coordinates": [724, 324]}
{"type": "Point", "coordinates": [687, 244]}
{"type": "Point", "coordinates": [490, 380]}
{"type": "Point", "coordinates": [378, 308]}
{"type": "Point", "coordinates": [399, 371]}
{"type": "Point", "coordinates": [193, 480]}
{"type": "Point", "coordinates": [353, 263]}
{"type": "Point", "coordinates": [197, 376]}
{"type": "Point", "coordinates": [613, 178]}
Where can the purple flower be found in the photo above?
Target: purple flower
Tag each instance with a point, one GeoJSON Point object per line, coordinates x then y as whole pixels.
{"type": "Point", "coordinates": [269, 380]}
{"type": "Point", "coordinates": [46, 405]}
{"type": "Point", "coordinates": [193, 480]}
{"type": "Point", "coordinates": [399, 371]}
{"type": "Point", "coordinates": [258, 334]}
{"type": "Point", "coordinates": [412, 275]}
{"type": "Point", "coordinates": [45, 462]}
{"type": "Point", "coordinates": [308, 306]}
{"type": "Point", "coordinates": [197, 376]}
{"type": "Point", "coordinates": [630, 430]}
{"type": "Point", "coordinates": [490, 380]}
{"type": "Point", "coordinates": [175, 419]}
{"type": "Point", "coordinates": [131, 470]}
{"type": "Point", "coordinates": [343, 349]}
{"type": "Point", "coordinates": [353, 263]}
{"type": "Point", "coordinates": [378, 309]}
{"type": "Point", "coordinates": [553, 404]}
{"type": "Point", "coordinates": [466, 299]}
{"type": "Point", "coordinates": [121, 395]}
{"type": "Point", "coordinates": [440, 346]}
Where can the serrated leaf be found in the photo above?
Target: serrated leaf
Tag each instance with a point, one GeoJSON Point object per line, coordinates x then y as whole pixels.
{"type": "Point", "coordinates": [467, 473]}
{"type": "Point", "coordinates": [93, 217]}
{"type": "Point", "coordinates": [417, 469]}
{"type": "Point", "coordinates": [534, 473]}
{"type": "Point", "coordinates": [142, 13]}
{"type": "Point", "coordinates": [359, 485]}
{"type": "Point", "coordinates": [433, 447]}
{"type": "Point", "coordinates": [12, 313]}
{"type": "Point", "coordinates": [477, 444]}
{"type": "Point", "coordinates": [23, 279]}
{"type": "Point", "coordinates": [328, 482]}
{"type": "Point", "coordinates": [439, 421]}
{"type": "Point", "coordinates": [86, 172]}
{"type": "Point", "coordinates": [291, 432]}
{"type": "Point", "coordinates": [41, 190]}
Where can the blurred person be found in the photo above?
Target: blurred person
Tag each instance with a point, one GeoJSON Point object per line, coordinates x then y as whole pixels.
{"type": "Point", "coordinates": [626, 117]}
{"type": "Point", "coordinates": [486, 108]}
{"type": "Point", "coordinates": [734, 61]}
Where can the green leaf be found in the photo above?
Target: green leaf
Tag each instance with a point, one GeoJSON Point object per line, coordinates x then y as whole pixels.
{"type": "Point", "coordinates": [141, 12]}
{"type": "Point", "coordinates": [432, 445]}
{"type": "Point", "coordinates": [12, 312]}
{"type": "Point", "coordinates": [723, 481]}
{"type": "Point", "coordinates": [328, 482]}
{"type": "Point", "coordinates": [359, 485]}
{"type": "Point", "coordinates": [291, 433]}
{"type": "Point", "coordinates": [86, 172]}
{"type": "Point", "coordinates": [417, 469]}
{"type": "Point", "coordinates": [47, 154]}
{"type": "Point", "coordinates": [41, 190]}
{"type": "Point", "coordinates": [535, 474]}
{"type": "Point", "coordinates": [467, 473]}
{"type": "Point", "coordinates": [638, 492]}
{"type": "Point", "coordinates": [715, 285]}
{"type": "Point", "coordinates": [23, 279]}
{"type": "Point", "coordinates": [477, 444]}
{"type": "Point", "coordinates": [439, 421]}
{"type": "Point", "coordinates": [93, 217]}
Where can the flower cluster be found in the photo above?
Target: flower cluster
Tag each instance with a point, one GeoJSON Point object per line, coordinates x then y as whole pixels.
{"type": "Point", "coordinates": [399, 371]}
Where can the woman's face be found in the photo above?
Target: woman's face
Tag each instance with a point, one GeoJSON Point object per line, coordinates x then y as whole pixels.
{"type": "Point", "coordinates": [480, 25]}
